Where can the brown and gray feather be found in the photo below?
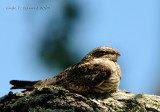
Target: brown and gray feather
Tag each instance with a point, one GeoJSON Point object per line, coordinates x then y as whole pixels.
{"type": "Point", "coordinates": [97, 72]}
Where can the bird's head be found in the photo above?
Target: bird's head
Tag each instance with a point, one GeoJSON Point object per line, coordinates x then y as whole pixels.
{"type": "Point", "coordinates": [103, 52]}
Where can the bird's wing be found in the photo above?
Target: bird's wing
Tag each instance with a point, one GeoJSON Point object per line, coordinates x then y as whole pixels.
{"type": "Point", "coordinates": [86, 74]}
{"type": "Point", "coordinates": [89, 74]}
{"type": "Point", "coordinates": [20, 84]}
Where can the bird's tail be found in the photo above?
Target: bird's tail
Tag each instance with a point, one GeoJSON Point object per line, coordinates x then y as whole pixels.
{"type": "Point", "coordinates": [19, 84]}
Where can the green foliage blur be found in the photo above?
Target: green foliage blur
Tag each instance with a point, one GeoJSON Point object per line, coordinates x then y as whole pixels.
{"type": "Point", "coordinates": [55, 45]}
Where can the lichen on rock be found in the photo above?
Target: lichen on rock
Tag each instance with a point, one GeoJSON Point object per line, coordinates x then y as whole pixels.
{"type": "Point", "coordinates": [58, 99]}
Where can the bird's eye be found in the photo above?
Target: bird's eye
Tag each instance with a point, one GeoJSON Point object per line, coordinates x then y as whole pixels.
{"type": "Point", "coordinates": [99, 53]}
{"type": "Point", "coordinates": [102, 52]}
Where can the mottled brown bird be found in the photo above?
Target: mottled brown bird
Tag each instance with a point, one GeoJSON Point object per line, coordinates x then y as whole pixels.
{"type": "Point", "coordinates": [97, 72]}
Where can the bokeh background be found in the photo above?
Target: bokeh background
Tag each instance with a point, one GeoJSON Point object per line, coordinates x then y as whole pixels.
{"type": "Point", "coordinates": [40, 38]}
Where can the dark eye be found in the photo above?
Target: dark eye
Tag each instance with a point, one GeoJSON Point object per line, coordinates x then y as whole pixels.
{"type": "Point", "coordinates": [102, 52]}
{"type": "Point", "coordinates": [99, 53]}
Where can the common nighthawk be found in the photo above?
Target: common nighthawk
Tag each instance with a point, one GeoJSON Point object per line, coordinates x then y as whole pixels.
{"type": "Point", "coordinates": [97, 72]}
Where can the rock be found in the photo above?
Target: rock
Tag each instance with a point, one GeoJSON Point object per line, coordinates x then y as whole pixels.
{"type": "Point", "coordinates": [58, 99]}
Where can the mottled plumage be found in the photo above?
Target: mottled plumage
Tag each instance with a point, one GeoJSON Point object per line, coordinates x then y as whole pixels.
{"type": "Point", "coordinates": [97, 72]}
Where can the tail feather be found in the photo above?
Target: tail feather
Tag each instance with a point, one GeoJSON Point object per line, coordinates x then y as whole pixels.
{"type": "Point", "coordinates": [19, 84]}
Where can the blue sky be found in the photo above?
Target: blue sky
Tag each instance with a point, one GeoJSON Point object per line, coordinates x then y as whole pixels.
{"type": "Point", "coordinates": [130, 26]}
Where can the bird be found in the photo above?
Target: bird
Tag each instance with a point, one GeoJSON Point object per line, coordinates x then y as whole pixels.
{"type": "Point", "coordinates": [97, 72]}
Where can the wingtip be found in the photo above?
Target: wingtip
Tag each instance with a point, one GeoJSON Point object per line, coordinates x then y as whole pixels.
{"type": "Point", "coordinates": [12, 82]}
{"type": "Point", "coordinates": [21, 84]}
{"type": "Point", "coordinates": [13, 87]}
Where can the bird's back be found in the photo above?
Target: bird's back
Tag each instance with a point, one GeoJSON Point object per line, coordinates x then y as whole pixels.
{"type": "Point", "coordinates": [96, 75]}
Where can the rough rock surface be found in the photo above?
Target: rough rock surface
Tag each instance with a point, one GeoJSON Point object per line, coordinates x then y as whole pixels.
{"type": "Point", "coordinates": [57, 99]}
